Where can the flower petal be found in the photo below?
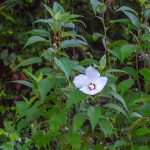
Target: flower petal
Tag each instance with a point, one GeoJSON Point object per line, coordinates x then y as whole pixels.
{"type": "Point", "coordinates": [81, 81]}
{"type": "Point", "coordinates": [92, 73]}
{"type": "Point", "coordinates": [86, 90]}
{"type": "Point", "coordinates": [100, 84]}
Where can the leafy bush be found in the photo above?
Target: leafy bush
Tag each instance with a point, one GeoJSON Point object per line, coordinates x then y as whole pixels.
{"type": "Point", "coordinates": [62, 102]}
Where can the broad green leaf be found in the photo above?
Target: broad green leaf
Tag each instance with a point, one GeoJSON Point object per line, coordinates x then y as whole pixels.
{"type": "Point", "coordinates": [126, 50]}
{"type": "Point", "coordinates": [29, 61]}
{"type": "Point", "coordinates": [51, 11]}
{"type": "Point", "coordinates": [147, 13]}
{"type": "Point", "coordinates": [44, 87]}
{"type": "Point", "coordinates": [74, 140]}
{"type": "Point", "coordinates": [143, 131]}
{"type": "Point", "coordinates": [50, 20]}
{"type": "Point", "coordinates": [145, 109]}
{"type": "Point", "coordinates": [96, 36]}
{"type": "Point", "coordinates": [131, 71]}
{"type": "Point", "coordinates": [22, 124]}
{"type": "Point", "coordinates": [23, 82]}
{"type": "Point", "coordinates": [32, 76]}
{"type": "Point", "coordinates": [73, 43]}
{"type": "Point", "coordinates": [142, 147]}
{"type": "Point", "coordinates": [106, 127]}
{"type": "Point", "coordinates": [122, 21]}
{"type": "Point", "coordinates": [125, 85]}
{"type": "Point", "coordinates": [120, 143]}
{"type": "Point", "coordinates": [35, 39]}
{"type": "Point", "coordinates": [38, 32]}
{"type": "Point", "coordinates": [98, 147]}
{"type": "Point", "coordinates": [22, 108]}
{"type": "Point", "coordinates": [56, 121]}
{"type": "Point", "coordinates": [143, 1]}
{"type": "Point", "coordinates": [120, 99]}
{"type": "Point", "coordinates": [34, 112]}
{"type": "Point", "coordinates": [58, 8]}
{"type": "Point", "coordinates": [98, 6]}
{"type": "Point", "coordinates": [125, 8]}
{"type": "Point", "coordinates": [41, 139]}
{"type": "Point", "coordinates": [14, 136]}
{"type": "Point", "coordinates": [75, 97]}
{"type": "Point", "coordinates": [145, 37]}
{"type": "Point", "coordinates": [115, 71]}
{"type": "Point", "coordinates": [86, 62]}
{"type": "Point", "coordinates": [142, 99]}
{"type": "Point", "coordinates": [72, 34]}
{"type": "Point", "coordinates": [146, 73]}
{"type": "Point", "coordinates": [133, 18]}
{"type": "Point", "coordinates": [137, 123]}
{"type": "Point", "coordinates": [115, 107]}
{"type": "Point", "coordinates": [94, 116]}
{"type": "Point", "coordinates": [78, 121]}
{"type": "Point", "coordinates": [2, 132]}
{"type": "Point", "coordinates": [131, 15]}
{"type": "Point", "coordinates": [103, 62]}
{"type": "Point", "coordinates": [65, 64]}
{"type": "Point", "coordinates": [69, 33]}
{"type": "Point", "coordinates": [44, 71]}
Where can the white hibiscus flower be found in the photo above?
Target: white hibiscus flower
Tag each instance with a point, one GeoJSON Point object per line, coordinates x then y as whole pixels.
{"type": "Point", "coordinates": [91, 83]}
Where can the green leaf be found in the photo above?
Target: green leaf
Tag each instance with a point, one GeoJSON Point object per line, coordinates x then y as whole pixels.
{"type": "Point", "coordinates": [122, 21]}
{"type": "Point", "coordinates": [125, 85]}
{"type": "Point", "coordinates": [35, 39]}
{"type": "Point", "coordinates": [131, 15]}
{"type": "Point", "coordinates": [126, 51]}
{"type": "Point", "coordinates": [75, 97]}
{"type": "Point", "coordinates": [56, 121]}
{"type": "Point", "coordinates": [103, 62]}
{"type": "Point", "coordinates": [58, 8]}
{"type": "Point", "coordinates": [119, 143]}
{"type": "Point", "coordinates": [39, 32]}
{"type": "Point", "coordinates": [74, 140]}
{"type": "Point", "coordinates": [29, 61]}
{"type": "Point", "coordinates": [146, 73]}
{"type": "Point", "coordinates": [65, 64]}
{"type": "Point", "coordinates": [137, 123]}
{"type": "Point", "coordinates": [106, 127]}
{"type": "Point", "coordinates": [78, 121]}
{"type": "Point", "coordinates": [86, 62]}
{"type": "Point", "coordinates": [94, 116]}
{"type": "Point", "coordinates": [73, 43]}
{"type": "Point", "coordinates": [23, 82]}
{"type": "Point", "coordinates": [115, 71]}
{"type": "Point", "coordinates": [2, 132]}
{"type": "Point", "coordinates": [115, 107]}
{"type": "Point", "coordinates": [98, 6]}
{"type": "Point", "coordinates": [147, 13]}
{"type": "Point", "coordinates": [22, 124]}
{"type": "Point", "coordinates": [120, 99]}
{"type": "Point", "coordinates": [51, 11]}
{"type": "Point", "coordinates": [145, 37]}
{"type": "Point", "coordinates": [135, 21]}
{"type": "Point", "coordinates": [98, 147]}
{"type": "Point", "coordinates": [44, 87]}
{"type": "Point", "coordinates": [41, 139]}
{"type": "Point", "coordinates": [125, 8]}
{"type": "Point", "coordinates": [142, 131]}
{"type": "Point", "coordinates": [22, 108]}
{"type": "Point", "coordinates": [96, 36]}
{"type": "Point", "coordinates": [131, 71]}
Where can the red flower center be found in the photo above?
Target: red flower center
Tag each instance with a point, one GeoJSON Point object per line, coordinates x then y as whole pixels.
{"type": "Point", "coordinates": [92, 86]}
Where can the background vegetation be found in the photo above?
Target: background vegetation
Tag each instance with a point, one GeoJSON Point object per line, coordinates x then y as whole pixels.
{"type": "Point", "coordinates": [44, 44]}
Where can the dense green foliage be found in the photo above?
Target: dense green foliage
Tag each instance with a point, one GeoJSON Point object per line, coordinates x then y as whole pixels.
{"type": "Point", "coordinates": [44, 45]}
